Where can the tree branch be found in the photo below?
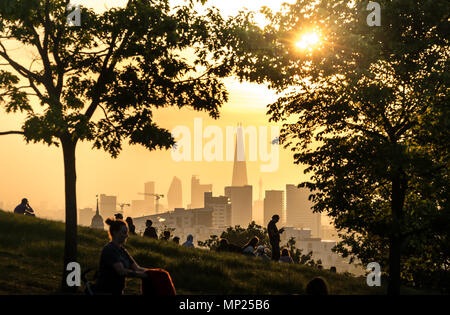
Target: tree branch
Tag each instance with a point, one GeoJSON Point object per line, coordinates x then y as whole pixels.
{"type": "Point", "coordinates": [11, 133]}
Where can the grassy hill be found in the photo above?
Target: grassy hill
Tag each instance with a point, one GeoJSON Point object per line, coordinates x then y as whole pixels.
{"type": "Point", "coordinates": [31, 255]}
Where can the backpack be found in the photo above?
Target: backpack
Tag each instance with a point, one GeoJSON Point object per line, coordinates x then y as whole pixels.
{"type": "Point", "coordinates": [159, 282]}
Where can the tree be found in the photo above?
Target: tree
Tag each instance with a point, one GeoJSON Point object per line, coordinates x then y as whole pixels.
{"type": "Point", "coordinates": [100, 81]}
{"type": "Point", "coordinates": [367, 112]}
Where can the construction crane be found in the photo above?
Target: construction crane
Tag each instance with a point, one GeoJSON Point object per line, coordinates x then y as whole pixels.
{"type": "Point", "coordinates": [121, 205]}
{"type": "Point", "coordinates": [157, 196]}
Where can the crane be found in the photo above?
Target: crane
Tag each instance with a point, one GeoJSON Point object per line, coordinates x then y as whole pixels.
{"type": "Point", "coordinates": [157, 197]}
{"type": "Point", "coordinates": [121, 205]}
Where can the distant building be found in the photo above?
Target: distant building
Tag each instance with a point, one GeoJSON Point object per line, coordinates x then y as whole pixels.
{"type": "Point", "coordinates": [221, 206]}
{"type": "Point", "coordinates": [197, 192]}
{"type": "Point", "coordinates": [1, 205]}
{"type": "Point", "coordinates": [241, 199]}
{"type": "Point", "coordinates": [329, 232]}
{"type": "Point", "coordinates": [174, 195]}
{"type": "Point", "coordinates": [299, 210]}
{"type": "Point", "coordinates": [258, 206]}
{"type": "Point", "coordinates": [239, 166]}
{"type": "Point", "coordinates": [85, 216]}
{"type": "Point", "coordinates": [108, 205]}
{"type": "Point", "coordinates": [97, 220]}
{"type": "Point", "coordinates": [178, 219]}
{"type": "Point", "coordinates": [273, 204]}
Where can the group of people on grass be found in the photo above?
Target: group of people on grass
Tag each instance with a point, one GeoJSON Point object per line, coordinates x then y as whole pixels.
{"type": "Point", "coordinates": [116, 264]}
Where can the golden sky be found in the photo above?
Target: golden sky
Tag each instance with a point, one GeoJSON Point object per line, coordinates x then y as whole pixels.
{"type": "Point", "coordinates": [35, 171]}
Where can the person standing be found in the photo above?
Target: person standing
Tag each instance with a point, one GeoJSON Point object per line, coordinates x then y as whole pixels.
{"type": "Point", "coordinates": [274, 236]}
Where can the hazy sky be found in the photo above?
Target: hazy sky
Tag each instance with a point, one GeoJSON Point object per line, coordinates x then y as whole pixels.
{"type": "Point", "coordinates": [35, 171]}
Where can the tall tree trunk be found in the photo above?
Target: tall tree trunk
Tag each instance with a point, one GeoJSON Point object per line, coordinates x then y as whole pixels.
{"type": "Point", "coordinates": [70, 179]}
{"type": "Point", "coordinates": [398, 198]}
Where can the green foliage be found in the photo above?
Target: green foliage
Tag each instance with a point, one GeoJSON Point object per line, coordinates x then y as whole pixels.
{"type": "Point", "coordinates": [367, 114]}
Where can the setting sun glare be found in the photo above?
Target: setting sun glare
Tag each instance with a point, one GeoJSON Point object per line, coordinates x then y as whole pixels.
{"type": "Point", "coordinates": [308, 41]}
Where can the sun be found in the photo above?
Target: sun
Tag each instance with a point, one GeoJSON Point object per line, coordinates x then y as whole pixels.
{"type": "Point", "coordinates": [308, 41]}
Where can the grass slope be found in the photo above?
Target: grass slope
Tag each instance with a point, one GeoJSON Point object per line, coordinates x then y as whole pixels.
{"type": "Point", "coordinates": [31, 255]}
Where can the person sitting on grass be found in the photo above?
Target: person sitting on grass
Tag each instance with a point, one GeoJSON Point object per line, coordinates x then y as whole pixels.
{"type": "Point", "coordinates": [24, 208]}
{"type": "Point", "coordinates": [286, 257]}
{"type": "Point", "coordinates": [150, 231]}
{"type": "Point", "coordinates": [261, 252]}
{"type": "Point", "coordinates": [131, 226]}
{"type": "Point", "coordinates": [249, 248]}
{"type": "Point", "coordinates": [166, 236]}
{"type": "Point", "coordinates": [176, 240]}
{"type": "Point", "coordinates": [115, 262]}
{"type": "Point", "coordinates": [189, 241]}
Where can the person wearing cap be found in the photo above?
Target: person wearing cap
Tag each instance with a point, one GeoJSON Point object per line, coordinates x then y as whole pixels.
{"type": "Point", "coordinates": [274, 237]}
{"type": "Point", "coordinates": [24, 208]}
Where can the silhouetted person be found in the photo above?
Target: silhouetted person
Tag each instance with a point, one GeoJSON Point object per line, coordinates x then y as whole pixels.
{"type": "Point", "coordinates": [249, 248]}
{"type": "Point", "coordinates": [286, 257]}
{"type": "Point", "coordinates": [115, 262]}
{"type": "Point", "coordinates": [166, 236]}
{"type": "Point", "coordinates": [274, 237]}
{"type": "Point", "coordinates": [225, 246]}
{"type": "Point", "coordinates": [24, 208]}
{"type": "Point", "coordinates": [333, 269]}
{"type": "Point", "coordinates": [189, 241]}
{"type": "Point", "coordinates": [119, 216]}
{"type": "Point", "coordinates": [131, 226]}
{"type": "Point", "coordinates": [150, 231]}
{"type": "Point", "coordinates": [176, 239]}
{"type": "Point", "coordinates": [317, 286]}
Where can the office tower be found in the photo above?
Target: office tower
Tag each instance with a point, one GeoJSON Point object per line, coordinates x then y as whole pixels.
{"type": "Point", "coordinates": [239, 166]}
{"type": "Point", "coordinates": [241, 199]}
{"type": "Point", "coordinates": [273, 204]}
{"type": "Point", "coordinates": [149, 190]}
{"type": "Point", "coordinates": [108, 205]}
{"type": "Point", "coordinates": [174, 195]}
{"type": "Point", "coordinates": [258, 206]}
{"type": "Point", "coordinates": [299, 210]}
{"type": "Point", "coordinates": [85, 216]}
{"type": "Point", "coordinates": [97, 220]}
{"type": "Point", "coordinates": [197, 192]}
{"type": "Point", "coordinates": [221, 206]}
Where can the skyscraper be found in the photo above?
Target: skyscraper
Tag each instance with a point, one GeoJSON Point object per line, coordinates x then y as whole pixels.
{"type": "Point", "coordinates": [273, 204]}
{"type": "Point", "coordinates": [241, 199]}
{"type": "Point", "coordinates": [108, 205]}
{"type": "Point", "coordinates": [197, 192]}
{"type": "Point", "coordinates": [299, 210]}
{"type": "Point", "coordinates": [221, 206]}
{"type": "Point", "coordinates": [258, 206]}
{"type": "Point", "coordinates": [239, 166]}
{"type": "Point", "coordinates": [174, 195]}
